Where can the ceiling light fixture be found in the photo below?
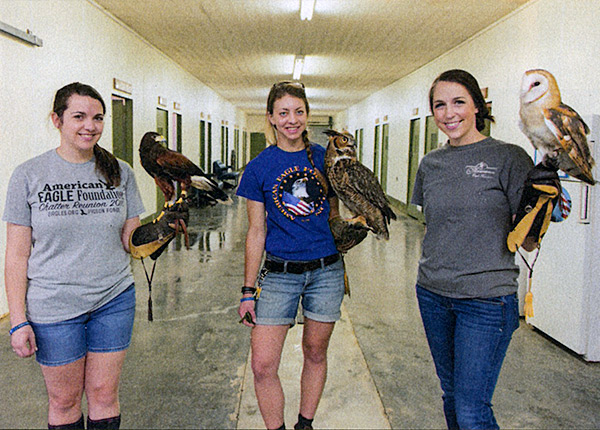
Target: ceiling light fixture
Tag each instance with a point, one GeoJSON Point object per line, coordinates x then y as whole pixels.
{"type": "Point", "coordinates": [298, 65]}
{"type": "Point", "coordinates": [307, 7]}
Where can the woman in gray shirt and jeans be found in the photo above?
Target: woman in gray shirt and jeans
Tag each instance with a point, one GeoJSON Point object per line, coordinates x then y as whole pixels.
{"type": "Point", "coordinates": [470, 190]}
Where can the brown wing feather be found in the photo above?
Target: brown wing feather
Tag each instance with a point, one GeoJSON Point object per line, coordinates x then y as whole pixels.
{"type": "Point", "coordinates": [351, 179]}
{"type": "Point", "coordinates": [177, 165]}
{"type": "Point", "coordinates": [364, 182]}
{"type": "Point", "coordinates": [570, 130]}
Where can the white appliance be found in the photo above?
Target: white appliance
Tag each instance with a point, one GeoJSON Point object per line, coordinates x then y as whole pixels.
{"type": "Point", "coordinates": [566, 276]}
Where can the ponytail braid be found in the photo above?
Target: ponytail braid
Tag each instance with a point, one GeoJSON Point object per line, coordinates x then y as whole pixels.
{"type": "Point", "coordinates": [107, 166]}
{"type": "Point", "coordinates": [320, 177]}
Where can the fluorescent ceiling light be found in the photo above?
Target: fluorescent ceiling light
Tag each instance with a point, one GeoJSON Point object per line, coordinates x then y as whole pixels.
{"type": "Point", "coordinates": [307, 7]}
{"type": "Point", "coordinates": [298, 65]}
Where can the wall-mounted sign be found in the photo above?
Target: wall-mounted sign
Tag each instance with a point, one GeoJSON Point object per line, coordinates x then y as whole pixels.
{"type": "Point", "coordinates": [123, 86]}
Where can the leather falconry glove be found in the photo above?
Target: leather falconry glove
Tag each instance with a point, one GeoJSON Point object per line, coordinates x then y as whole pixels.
{"type": "Point", "coordinates": [151, 239]}
{"type": "Point", "coordinates": [540, 195]}
{"type": "Point", "coordinates": [345, 234]}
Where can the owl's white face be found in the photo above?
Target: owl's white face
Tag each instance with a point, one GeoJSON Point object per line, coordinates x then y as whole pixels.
{"type": "Point", "coordinates": [534, 86]}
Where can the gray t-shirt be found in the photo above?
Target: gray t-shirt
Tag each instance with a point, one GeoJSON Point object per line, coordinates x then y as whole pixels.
{"type": "Point", "coordinates": [469, 194]}
{"type": "Point", "coordinates": [77, 261]}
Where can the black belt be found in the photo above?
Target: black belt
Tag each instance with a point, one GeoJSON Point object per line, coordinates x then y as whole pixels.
{"type": "Point", "coordinates": [298, 267]}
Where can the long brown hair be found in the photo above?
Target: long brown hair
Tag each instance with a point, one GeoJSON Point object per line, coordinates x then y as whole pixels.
{"type": "Point", "coordinates": [106, 163]}
{"type": "Point", "coordinates": [294, 89]}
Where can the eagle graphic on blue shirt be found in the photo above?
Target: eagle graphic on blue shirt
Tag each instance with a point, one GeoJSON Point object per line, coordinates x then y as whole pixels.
{"type": "Point", "coordinates": [297, 201]}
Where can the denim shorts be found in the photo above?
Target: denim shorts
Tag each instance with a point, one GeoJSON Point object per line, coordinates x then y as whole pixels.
{"type": "Point", "coordinates": [107, 329]}
{"type": "Point", "coordinates": [321, 290]}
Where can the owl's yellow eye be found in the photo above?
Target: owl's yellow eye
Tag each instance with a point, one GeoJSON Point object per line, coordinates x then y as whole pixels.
{"type": "Point", "coordinates": [344, 139]}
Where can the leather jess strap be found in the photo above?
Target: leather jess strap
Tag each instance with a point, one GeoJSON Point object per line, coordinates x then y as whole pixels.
{"type": "Point", "coordinates": [298, 267]}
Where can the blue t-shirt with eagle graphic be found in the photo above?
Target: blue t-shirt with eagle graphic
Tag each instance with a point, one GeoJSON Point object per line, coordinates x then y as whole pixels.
{"type": "Point", "coordinates": [297, 209]}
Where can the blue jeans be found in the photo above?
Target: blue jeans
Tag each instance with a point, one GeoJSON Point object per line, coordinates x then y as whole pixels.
{"type": "Point", "coordinates": [468, 339]}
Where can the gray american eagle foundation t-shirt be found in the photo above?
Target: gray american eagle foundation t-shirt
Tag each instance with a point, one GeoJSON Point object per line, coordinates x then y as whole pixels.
{"type": "Point", "coordinates": [77, 261]}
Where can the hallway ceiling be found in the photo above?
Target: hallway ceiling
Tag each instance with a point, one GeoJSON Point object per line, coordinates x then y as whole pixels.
{"type": "Point", "coordinates": [352, 48]}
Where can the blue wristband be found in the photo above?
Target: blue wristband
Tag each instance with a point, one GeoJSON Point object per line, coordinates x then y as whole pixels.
{"type": "Point", "coordinates": [246, 299]}
{"type": "Point", "coordinates": [17, 327]}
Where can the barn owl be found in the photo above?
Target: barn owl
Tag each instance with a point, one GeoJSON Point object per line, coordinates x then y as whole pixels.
{"type": "Point", "coordinates": [356, 185]}
{"type": "Point", "coordinates": [554, 128]}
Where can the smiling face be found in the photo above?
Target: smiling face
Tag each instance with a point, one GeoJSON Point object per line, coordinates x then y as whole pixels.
{"type": "Point", "coordinates": [289, 118]}
{"type": "Point", "coordinates": [80, 126]}
{"type": "Point", "coordinates": [454, 113]}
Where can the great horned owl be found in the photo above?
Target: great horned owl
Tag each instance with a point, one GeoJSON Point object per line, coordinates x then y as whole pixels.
{"type": "Point", "coordinates": [356, 185]}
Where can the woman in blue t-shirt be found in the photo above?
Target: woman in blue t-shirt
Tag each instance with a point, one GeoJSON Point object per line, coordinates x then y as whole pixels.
{"type": "Point", "coordinates": [288, 206]}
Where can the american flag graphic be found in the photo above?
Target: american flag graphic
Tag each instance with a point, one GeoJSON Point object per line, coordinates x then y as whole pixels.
{"type": "Point", "coordinates": [296, 205]}
{"type": "Point", "coordinates": [565, 204]}
{"type": "Point", "coordinates": [563, 208]}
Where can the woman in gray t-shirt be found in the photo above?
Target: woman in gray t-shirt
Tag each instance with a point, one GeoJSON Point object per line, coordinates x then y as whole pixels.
{"type": "Point", "coordinates": [467, 281]}
{"type": "Point", "coordinates": [69, 213]}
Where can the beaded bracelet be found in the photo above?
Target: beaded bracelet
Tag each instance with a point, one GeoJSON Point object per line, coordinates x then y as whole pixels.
{"type": "Point", "coordinates": [17, 327]}
{"type": "Point", "coordinates": [250, 290]}
{"type": "Point", "coordinates": [246, 299]}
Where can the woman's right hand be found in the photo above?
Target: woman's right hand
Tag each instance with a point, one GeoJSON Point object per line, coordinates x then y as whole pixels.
{"type": "Point", "coordinates": [23, 342]}
{"type": "Point", "coordinates": [247, 307]}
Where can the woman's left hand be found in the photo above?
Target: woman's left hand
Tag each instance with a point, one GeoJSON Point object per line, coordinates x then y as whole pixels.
{"type": "Point", "coordinates": [246, 312]}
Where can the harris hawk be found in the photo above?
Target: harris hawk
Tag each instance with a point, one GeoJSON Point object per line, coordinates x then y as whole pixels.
{"type": "Point", "coordinates": [167, 166]}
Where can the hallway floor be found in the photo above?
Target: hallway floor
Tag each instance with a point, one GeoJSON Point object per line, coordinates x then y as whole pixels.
{"type": "Point", "coordinates": [189, 368]}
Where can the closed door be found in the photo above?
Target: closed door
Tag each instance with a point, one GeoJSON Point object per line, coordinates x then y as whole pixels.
{"type": "Point", "coordinates": [376, 152]}
{"type": "Point", "coordinates": [162, 127]}
{"type": "Point", "coordinates": [413, 163]}
{"type": "Point", "coordinates": [258, 142]}
{"type": "Point", "coordinates": [385, 141]}
{"type": "Point", "coordinates": [244, 148]}
{"type": "Point", "coordinates": [122, 124]}
{"type": "Point", "coordinates": [431, 134]}
{"type": "Point", "coordinates": [202, 146]}
{"type": "Point", "coordinates": [359, 144]}
{"type": "Point", "coordinates": [209, 147]}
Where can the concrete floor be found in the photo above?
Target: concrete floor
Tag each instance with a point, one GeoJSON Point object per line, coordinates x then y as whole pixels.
{"type": "Point", "coordinates": [189, 368]}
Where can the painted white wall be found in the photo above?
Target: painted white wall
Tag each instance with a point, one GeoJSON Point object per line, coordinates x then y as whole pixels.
{"type": "Point", "coordinates": [82, 43]}
{"type": "Point", "coordinates": [562, 36]}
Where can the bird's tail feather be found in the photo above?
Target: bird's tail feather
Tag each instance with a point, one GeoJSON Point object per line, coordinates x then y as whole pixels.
{"type": "Point", "coordinates": [211, 187]}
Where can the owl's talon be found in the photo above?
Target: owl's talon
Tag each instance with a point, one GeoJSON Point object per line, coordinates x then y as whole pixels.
{"type": "Point", "coordinates": [359, 220]}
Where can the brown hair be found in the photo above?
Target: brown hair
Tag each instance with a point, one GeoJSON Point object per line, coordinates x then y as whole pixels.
{"type": "Point", "coordinates": [106, 163]}
{"type": "Point", "coordinates": [472, 86]}
{"type": "Point", "coordinates": [294, 89]}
